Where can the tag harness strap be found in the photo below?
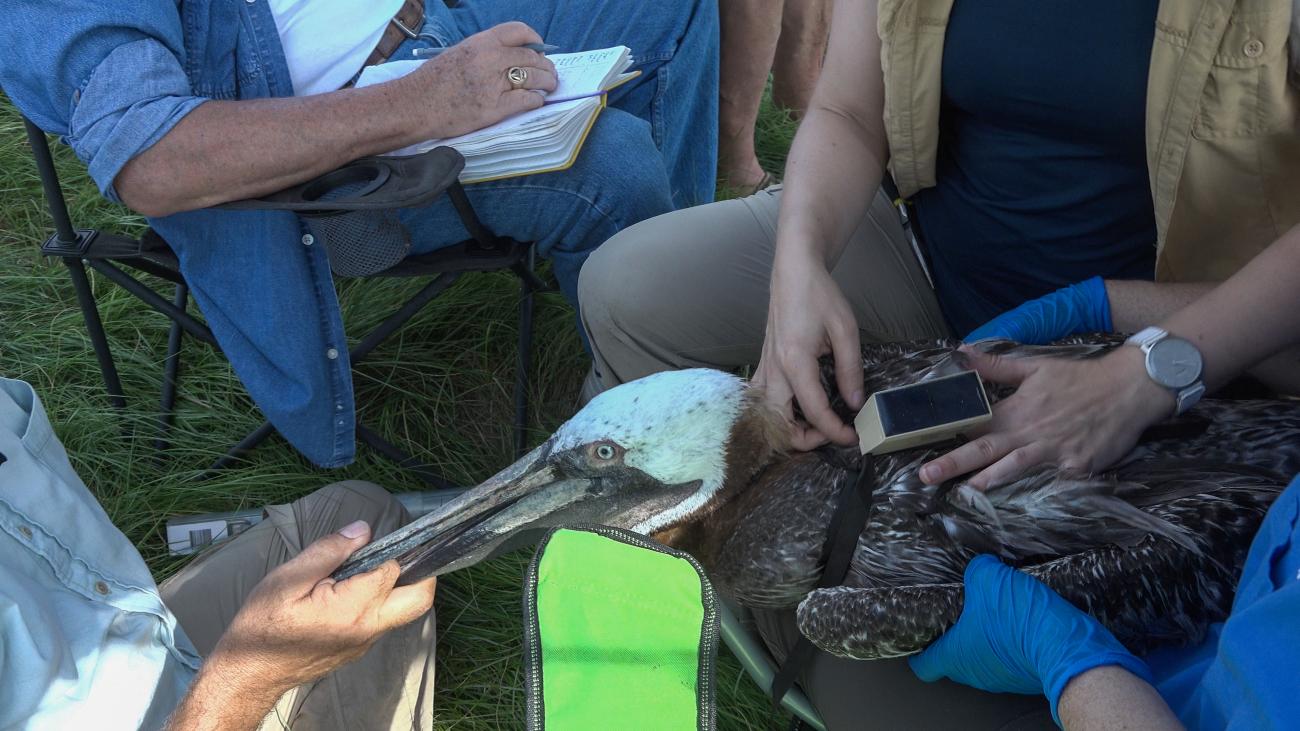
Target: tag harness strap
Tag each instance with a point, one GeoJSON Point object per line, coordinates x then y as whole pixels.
{"type": "Point", "coordinates": [846, 527]}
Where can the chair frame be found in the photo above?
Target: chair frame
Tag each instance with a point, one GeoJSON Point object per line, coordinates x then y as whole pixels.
{"type": "Point", "coordinates": [109, 254]}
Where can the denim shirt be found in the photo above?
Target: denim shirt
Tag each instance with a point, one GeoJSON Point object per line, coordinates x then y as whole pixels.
{"type": "Point", "coordinates": [85, 641]}
{"type": "Point", "coordinates": [112, 79]}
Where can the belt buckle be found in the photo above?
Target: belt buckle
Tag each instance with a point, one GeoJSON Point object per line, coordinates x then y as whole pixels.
{"type": "Point", "coordinates": [411, 34]}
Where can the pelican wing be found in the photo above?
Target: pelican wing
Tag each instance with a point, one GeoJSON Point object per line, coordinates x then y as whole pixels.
{"type": "Point", "coordinates": [1165, 587]}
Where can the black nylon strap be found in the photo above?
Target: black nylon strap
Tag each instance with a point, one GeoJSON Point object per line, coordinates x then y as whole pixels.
{"type": "Point", "coordinates": [842, 539]}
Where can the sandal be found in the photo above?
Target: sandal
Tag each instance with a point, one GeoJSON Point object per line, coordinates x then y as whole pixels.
{"type": "Point", "coordinates": [744, 191]}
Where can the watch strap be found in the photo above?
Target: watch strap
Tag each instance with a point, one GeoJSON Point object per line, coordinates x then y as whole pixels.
{"type": "Point", "coordinates": [1187, 398]}
{"type": "Point", "coordinates": [1184, 398]}
{"type": "Point", "coordinates": [1146, 337]}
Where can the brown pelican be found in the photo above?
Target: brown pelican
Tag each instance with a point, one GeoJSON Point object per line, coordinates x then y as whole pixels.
{"type": "Point", "coordinates": [694, 458]}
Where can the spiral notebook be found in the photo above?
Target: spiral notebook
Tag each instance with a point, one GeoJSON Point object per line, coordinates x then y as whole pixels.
{"type": "Point", "coordinates": [541, 140]}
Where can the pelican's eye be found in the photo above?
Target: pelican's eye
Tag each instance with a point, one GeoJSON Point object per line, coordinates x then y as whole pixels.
{"type": "Point", "coordinates": [604, 452]}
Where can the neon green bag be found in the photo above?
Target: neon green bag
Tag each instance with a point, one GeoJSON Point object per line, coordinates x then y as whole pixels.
{"type": "Point", "coordinates": [619, 632]}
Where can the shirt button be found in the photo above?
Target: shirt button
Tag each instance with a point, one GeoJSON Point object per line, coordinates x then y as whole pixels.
{"type": "Point", "coordinates": [101, 587]}
{"type": "Point", "coordinates": [1254, 48]}
{"type": "Point", "coordinates": [27, 532]}
{"type": "Point", "coordinates": [332, 354]}
{"type": "Point", "coordinates": [308, 239]}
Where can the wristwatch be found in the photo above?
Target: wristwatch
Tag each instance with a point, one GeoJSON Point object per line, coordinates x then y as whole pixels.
{"type": "Point", "coordinates": [1173, 363]}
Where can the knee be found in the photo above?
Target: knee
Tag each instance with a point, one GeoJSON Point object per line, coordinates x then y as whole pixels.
{"type": "Point", "coordinates": [617, 285]}
{"type": "Point", "coordinates": [595, 295]}
{"type": "Point", "coordinates": [625, 179]}
{"type": "Point", "coordinates": [351, 500]}
{"type": "Point", "coordinates": [705, 23]}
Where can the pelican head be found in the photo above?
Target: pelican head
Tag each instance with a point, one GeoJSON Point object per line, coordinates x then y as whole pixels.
{"type": "Point", "coordinates": [645, 455]}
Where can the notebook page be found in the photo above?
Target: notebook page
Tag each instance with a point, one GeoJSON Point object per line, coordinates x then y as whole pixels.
{"type": "Point", "coordinates": [587, 72]}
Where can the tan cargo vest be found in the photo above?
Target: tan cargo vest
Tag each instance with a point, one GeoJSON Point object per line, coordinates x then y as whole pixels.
{"type": "Point", "coordinates": [1223, 124]}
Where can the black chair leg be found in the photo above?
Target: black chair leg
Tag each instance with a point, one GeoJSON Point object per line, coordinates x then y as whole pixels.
{"type": "Point", "coordinates": [393, 322]}
{"type": "Point", "coordinates": [369, 437]}
{"type": "Point", "coordinates": [250, 442]}
{"type": "Point", "coordinates": [171, 370]}
{"type": "Point", "coordinates": [95, 328]}
{"type": "Point", "coordinates": [525, 359]}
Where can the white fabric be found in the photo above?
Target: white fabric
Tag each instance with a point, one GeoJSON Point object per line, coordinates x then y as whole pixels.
{"type": "Point", "coordinates": [85, 641]}
{"type": "Point", "coordinates": [326, 41]}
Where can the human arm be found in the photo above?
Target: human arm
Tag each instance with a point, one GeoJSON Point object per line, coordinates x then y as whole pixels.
{"type": "Point", "coordinates": [1055, 416]}
{"type": "Point", "coordinates": [297, 626]}
{"type": "Point", "coordinates": [1015, 635]}
{"type": "Point", "coordinates": [229, 150]}
{"type": "Point", "coordinates": [1136, 304]}
{"type": "Point", "coordinates": [835, 167]}
{"type": "Point", "coordinates": [1110, 698]}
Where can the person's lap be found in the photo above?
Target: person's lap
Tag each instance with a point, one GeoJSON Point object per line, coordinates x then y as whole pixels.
{"type": "Point", "coordinates": [689, 288]}
{"type": "Point", "coordinates": [674, 45]}
{"type": "Point", "coordinates": [885, 694]}
{"type": "Point", "coordinates": [651, 150]}
{"type": "Point", "coordinates": [617, 180]}
{"type": "Point", "coordinates": [391, 685]}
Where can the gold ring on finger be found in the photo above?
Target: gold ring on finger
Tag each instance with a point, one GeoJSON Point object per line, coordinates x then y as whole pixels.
{"type": "Point", "coordinates": [517, 76]}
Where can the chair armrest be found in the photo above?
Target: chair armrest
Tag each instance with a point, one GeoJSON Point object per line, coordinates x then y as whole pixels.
{"type": "Point", "coordinates": [380, 182]}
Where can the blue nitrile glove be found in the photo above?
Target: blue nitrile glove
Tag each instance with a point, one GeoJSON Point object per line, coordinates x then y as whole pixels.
{"type": "Point", "coordinates": [1078, 308]}
{"type": "Point", "coordinates": [1015, 635]}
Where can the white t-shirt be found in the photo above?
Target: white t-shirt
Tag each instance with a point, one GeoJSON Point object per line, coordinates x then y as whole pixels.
{"type": "Point", "coordinates": [326, 41]}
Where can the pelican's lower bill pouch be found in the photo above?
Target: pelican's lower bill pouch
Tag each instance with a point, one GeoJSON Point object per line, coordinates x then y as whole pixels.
{"type": "Point", "coordinates": [620, 632]}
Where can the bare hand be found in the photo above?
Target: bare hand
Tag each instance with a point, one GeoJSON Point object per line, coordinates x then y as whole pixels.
{"type": "Point", "coordinates": [466, 88]}
{"type": "Point", "coordinates": [298, 624]}
{"type": "Point", "coordinates": [808, 317]}
{"type": "Point", "coordinates": [1079, 415]}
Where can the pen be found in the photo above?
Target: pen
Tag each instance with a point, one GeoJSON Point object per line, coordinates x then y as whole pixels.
{"type": "Point", "coordinates": [432, 52]}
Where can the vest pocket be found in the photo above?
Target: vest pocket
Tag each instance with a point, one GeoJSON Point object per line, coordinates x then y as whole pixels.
{"type": "Point", "coordinates": [1245, 94]}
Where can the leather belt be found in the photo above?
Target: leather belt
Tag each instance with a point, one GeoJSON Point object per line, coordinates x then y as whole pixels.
{"type": "Point", "coordinates": [405, 25]}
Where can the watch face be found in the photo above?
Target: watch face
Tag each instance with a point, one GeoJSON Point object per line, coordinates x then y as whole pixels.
{"type": "Point", "coordinates": [1174, 363]}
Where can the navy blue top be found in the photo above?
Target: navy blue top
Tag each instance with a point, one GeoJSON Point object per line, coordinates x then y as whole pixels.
{"type": "Point", "coordinates": [1042, 174]}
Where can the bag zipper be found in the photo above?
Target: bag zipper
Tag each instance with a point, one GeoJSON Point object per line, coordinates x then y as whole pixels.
{"type": "Point", "coordinates": [709, 633]}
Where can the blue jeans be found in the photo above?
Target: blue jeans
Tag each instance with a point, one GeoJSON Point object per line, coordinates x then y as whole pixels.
{"type": "Point", "coordinates": [652, 150]}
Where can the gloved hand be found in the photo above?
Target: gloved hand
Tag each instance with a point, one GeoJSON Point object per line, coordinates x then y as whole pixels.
{"type": "Point", "coordinates": [1078, 308]}
{"type": "Point", "coordinates": [1015, 635]}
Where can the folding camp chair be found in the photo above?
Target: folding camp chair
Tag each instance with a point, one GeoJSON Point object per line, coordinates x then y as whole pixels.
{"type": "Point", "coordinates": [358, 201]}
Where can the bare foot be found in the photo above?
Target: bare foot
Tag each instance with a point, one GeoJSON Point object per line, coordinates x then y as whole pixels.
{"type": "Point", "coordinates": [746, 179]}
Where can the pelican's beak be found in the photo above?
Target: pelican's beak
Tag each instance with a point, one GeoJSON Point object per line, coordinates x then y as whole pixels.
{"type": "Point", "coordinates": [531, 493]}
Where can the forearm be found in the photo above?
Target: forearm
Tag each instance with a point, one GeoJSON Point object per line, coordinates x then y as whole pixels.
{"type": "Point", "coordinates": [1135, 304]}
{"type": "Point", "coordinates": [1110, 698]}
{"type": "Point", "coordinates": [229, 150]}
{"type": "Point", "coordinates": [839, 154]}
{"type": "Point", "coordinates": [832, 174]}
{"type": "Point", "coordinates": [1238, 324]}
{"type": "Point", "coordinates": [222, 698]}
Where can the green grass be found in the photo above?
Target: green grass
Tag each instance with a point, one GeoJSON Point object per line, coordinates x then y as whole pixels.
{"type": "Point", "coordinates": [443, 386]}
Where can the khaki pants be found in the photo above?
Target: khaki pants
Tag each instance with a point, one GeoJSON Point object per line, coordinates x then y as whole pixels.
{"type": "Point", "coordinates": [689, 289]}
{"type": "Point", "coordinates": [391, 686]}
{"type": "Point", "coordinates": [866, 695]}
